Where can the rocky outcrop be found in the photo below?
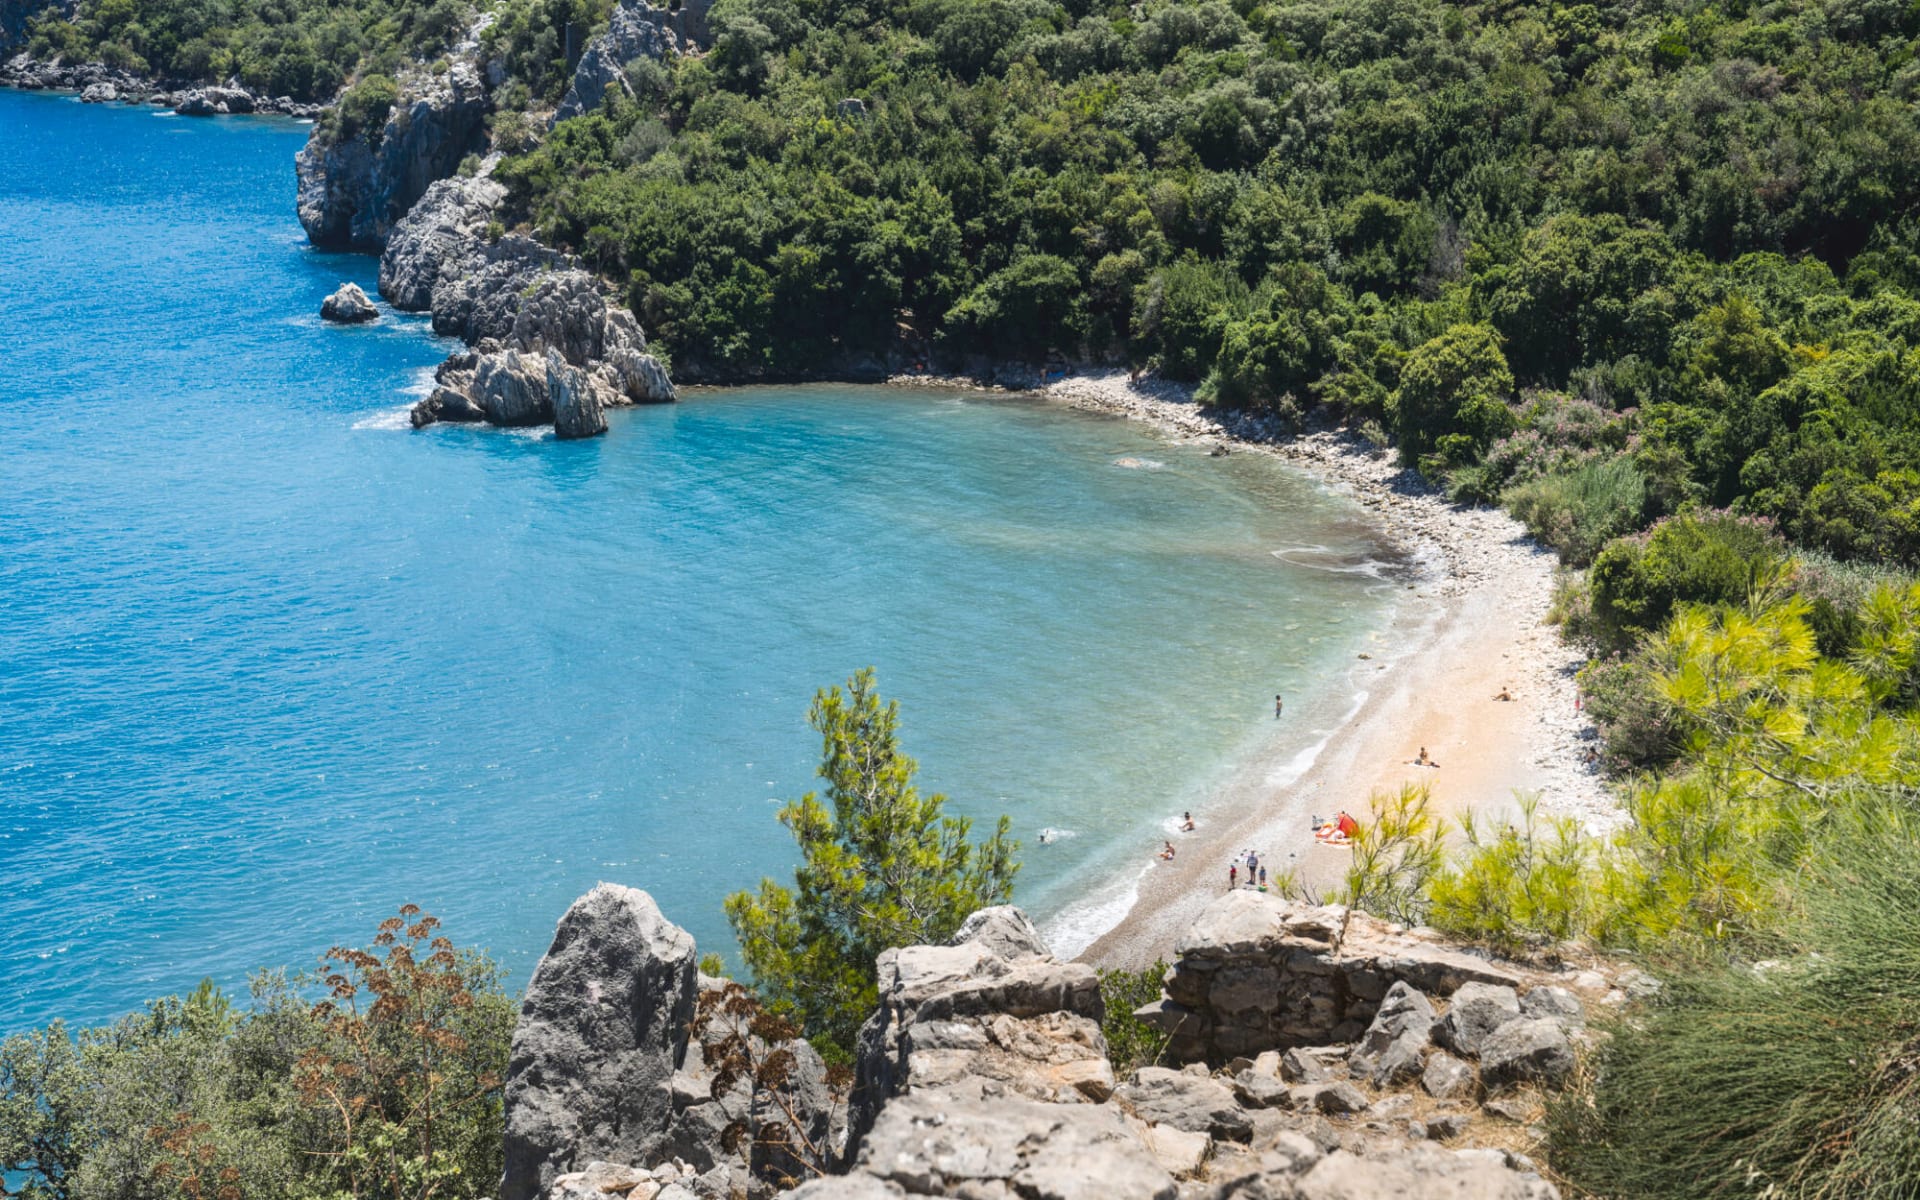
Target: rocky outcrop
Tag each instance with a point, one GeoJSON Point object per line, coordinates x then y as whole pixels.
{"type": "Point", "coordinates": [352, 192]}
{"type": "Point", "coordinates": [637, 30]}
{"type": "Point", "coordinates": [442, 234]}
{"type": "Point", "coordinates": [991, 1014]}
{"type": "Point", "coordinates": [609, 1088]}
{"type": "Point", "coordinates": [973, 1083]}
{"type": "Point", "coordinates": [602, 1030]}
{"type": "Point", "coordinates": [514, 300]}
{"type": "Point", "coordinates": [214, 101]}
{"type": "Point", "coordinates": [98, 83]}
{"type": "Point", "coordinates": [1257, 972]}
{"type": "Point", "coordinates": [348, 306]}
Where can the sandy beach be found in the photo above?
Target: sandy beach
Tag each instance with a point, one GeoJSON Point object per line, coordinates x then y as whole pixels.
{"type": "Point", "coordinates": [1471, 625]}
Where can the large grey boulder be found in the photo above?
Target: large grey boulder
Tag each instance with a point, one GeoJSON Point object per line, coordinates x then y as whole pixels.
{"type": "Point", "coordinates": [1478, 1011]}
{"type": "Point", "coordinates": [575, 400]}
{"type": "Point", "coordinates": [602, 1030]}
{"type": "Point", "coordinates": [352, 192]}
{"type": "Point", "coordinates": [993, 1013]}
{"type": "Point", "coordinates": [946, 1145]}
{"type": "Point", "coordinates": [214, 101]}
{"type": "Point", "coordinates": [637, 30]}
{"type": "Point", "coordinates": [99, 93]}
{"type": "Point", "coordinates": [1194, 1103]}
{"type": "Point", "coordinates": [348, 306]}
{"type": "Point", "coordinates": [1394, 1046]}
{"type": "Point", "coordinates": [1530, 1050]}
{"type": "Point", "coordinates": [511, 388]}
{"type": "Point", "coordinates": [439, 235]}
{"type": "Point", "coordinates": [1446, 1077]}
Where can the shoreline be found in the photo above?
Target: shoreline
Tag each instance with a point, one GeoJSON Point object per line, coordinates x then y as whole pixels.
{"type": "Point", "coordinates": [1471, 624]}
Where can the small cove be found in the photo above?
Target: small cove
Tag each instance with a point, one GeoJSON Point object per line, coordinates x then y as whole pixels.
{"type": "Point", "coordinates": [272, 664]}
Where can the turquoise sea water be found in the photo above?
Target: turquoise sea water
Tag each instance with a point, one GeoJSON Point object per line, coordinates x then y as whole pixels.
{"type": "Point", "coordinates": [272, 664]}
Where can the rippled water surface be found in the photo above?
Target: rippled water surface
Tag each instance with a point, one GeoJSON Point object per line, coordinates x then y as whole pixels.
{"type": "Point", "coordinates": [272, 664]}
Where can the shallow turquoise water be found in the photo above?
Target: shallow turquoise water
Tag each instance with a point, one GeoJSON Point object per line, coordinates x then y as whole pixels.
{"type": "Point", "coordinates": [271, 664]}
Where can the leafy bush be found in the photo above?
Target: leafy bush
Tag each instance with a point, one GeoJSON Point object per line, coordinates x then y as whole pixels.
{"type": "Point", "coordinates": [389, 1088]}
{"type": "Point", "coordinates": [1579, 511]}
{"type": "Point", "coordinates": [1701, 557]}
{"type": "Point", "coordinates": [1451, 403]}
{"type": "Point", "coordinates": [1793, 1077]}
{"type": "Point", "coordinates": [882, 867]}
{"type": "Point", "coordinates": [1131, 1042]}
{"type": "Point", "coordinates": [362, 109]}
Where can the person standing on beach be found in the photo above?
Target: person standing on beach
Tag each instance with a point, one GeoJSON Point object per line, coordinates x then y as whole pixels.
{"type": "Point", "coordinates": [1278, 705]}
{"type": "Point", "coordinates": [1233, 876]}
{"type": "Point", "coordinates": [1263, 879]}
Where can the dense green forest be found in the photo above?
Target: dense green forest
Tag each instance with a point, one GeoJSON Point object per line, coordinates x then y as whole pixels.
{"type": "Point", "coordinates": [306, 49]}
{"type": "Point", "coordinates": [1608, 260]}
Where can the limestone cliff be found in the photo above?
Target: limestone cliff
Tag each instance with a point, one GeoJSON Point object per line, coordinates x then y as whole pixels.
{"type": "Point", "coordinates": [548, 347]}
{"type": "Point", "coordinates": [353, 190]}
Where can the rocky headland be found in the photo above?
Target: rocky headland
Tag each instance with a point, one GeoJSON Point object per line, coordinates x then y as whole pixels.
{"type": "Point", "coordinates": [546, 344]}
{"type": "Point", "coordinates": [98, 83]}
{"type": "Point", "coordinates": [1311, 1053]}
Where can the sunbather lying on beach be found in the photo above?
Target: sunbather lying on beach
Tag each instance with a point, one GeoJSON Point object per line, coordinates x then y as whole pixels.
{"type": "Point", "coordinates": [1423, 760]}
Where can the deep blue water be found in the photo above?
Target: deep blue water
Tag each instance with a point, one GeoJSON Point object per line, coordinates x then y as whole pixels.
{"type": "Point", "coordinates": [272, 664]}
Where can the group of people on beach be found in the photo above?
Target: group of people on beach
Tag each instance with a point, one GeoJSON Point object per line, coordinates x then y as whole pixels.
{"type": "Point", "coordinates": [1256, 874]}
{"type": "Point", "coordinates": [1186, 826]}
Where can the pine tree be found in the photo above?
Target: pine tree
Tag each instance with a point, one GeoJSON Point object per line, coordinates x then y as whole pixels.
{"type": "Point", "coordinates": [882, 867]}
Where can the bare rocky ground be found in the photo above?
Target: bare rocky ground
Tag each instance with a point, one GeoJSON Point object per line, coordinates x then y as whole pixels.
{"type": "Point", "coordinates": [1311, 1053]}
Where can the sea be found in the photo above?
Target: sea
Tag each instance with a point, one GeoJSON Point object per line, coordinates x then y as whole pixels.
{"type": "Point", "coordinates": [273, 664]}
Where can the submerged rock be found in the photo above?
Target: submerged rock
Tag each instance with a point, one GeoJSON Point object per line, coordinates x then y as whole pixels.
{"type": "Point", "coordinates": [348, 306]}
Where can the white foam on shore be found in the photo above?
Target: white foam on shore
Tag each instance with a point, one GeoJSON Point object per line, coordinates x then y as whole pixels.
{"type": "Point", "coordinates": [1373, 568]}
{"type": "Point", "coordinates": [1079, 925]}
{"type": "Point", "coordinates": [387, 419]}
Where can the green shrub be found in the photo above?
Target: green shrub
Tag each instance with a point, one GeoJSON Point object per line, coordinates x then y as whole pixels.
{"type": "Point", "coordinates": [1795, 1077]}
{"type": "Point", "coordinates": [1700, 557]}
{"type": "Point", "coordinates": [1452, 400]}
{"type": "Point", "coordinates": [389, 1088]}
{"type": "Point", "coordinates": [1581, 510]}
{"type": "Point", "coordinates": [1131, 1042]}
{"type": "Point", "coordinates": [1516, 882]}
{"type": "Point", "coordinates": [882, 866]}
{"type": "Point", "coordinates": [362, 109]}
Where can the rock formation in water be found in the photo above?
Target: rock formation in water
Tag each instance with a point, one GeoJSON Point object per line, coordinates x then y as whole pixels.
{"type": "Point", "coordinates": [983, 1071]}
{"type": "Point", "coordinates": [98, 83]}
{"type": "Point", "coordinates": [516, 302]}
{"type": "Point", "coordinates": [353, 190]}
{"type": "Point", "coordinates": [348, 306]}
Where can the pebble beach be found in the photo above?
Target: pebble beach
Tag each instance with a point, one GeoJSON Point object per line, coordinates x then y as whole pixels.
{"type": "Point", "coordinates": [1475, 625]}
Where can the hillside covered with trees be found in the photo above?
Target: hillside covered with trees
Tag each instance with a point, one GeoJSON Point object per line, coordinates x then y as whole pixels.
{"type": "Point", "coordinates": [1623, 258]}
